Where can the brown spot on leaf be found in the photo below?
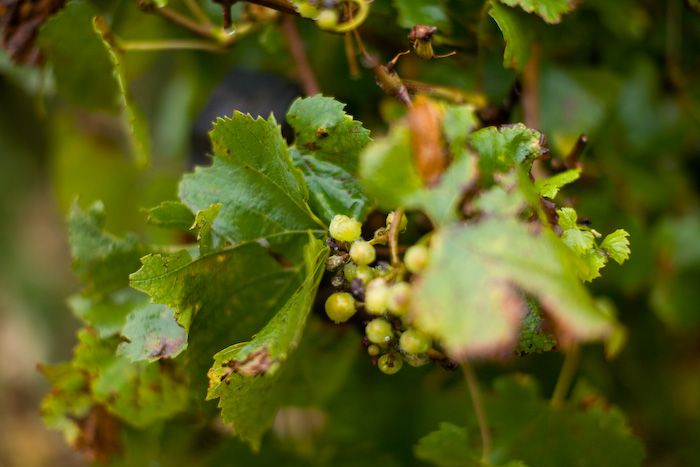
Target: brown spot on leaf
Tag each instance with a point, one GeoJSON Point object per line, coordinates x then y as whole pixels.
{"type": "Point", "coordinates": [321, 133]}
{"type": "Point", "coordinates": [256, 363]}
{"type": "Point", "coordinates": [99, 435]}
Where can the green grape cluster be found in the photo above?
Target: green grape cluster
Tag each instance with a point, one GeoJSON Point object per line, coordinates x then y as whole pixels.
{"type": "Point", "coordinates": [377, 293]}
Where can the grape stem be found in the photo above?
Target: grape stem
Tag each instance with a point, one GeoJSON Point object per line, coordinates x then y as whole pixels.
{"type": "Point", "coordinates": [296, 47]}
{"type": "Point", "coordinates": [478, 405]}
{"type": "Point", "coordinates": [566, 376]}
{"type": "Point", "coordinates": [394, 237]}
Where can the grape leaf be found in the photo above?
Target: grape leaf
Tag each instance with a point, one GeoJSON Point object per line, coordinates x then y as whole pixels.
{"type": "Point", "coordinates": [469, 296]}
{"type": "Point", "coordinates": [332, 189]}
{"type": "Point", "coordinates": [102, 261]}
{"type": "Point", "coordinates": [140, 393]}
{"type": "Point", "coordinates": [324, 130]}
{"type": "Point", "coordinates": [533, 339]}
{"type": "Point", "coordinates": [528, 428]}
{"type": "Point", "coordinates": [549, 10]}
{"type": "Point", "coordinates": [617, 246]}
{"type": "Point", "coordinates": [449, 446]}
{"type": "Point", "coordinates": [517, 34]}
{"type": "Point", "coordinates": [219, 298]}
{"type": "Point", "coordinates": [170, 215]}
{"type": "Point", "coordinates": [244, 376]}
{"type": "Point", "coordinates": [108, 315]}
{"type": "Point", "coordinates": [549, 187]}
{"type": "Point", "coordinates": [578, 240]}
{"type": "Point", "coordinates": [203, 221]}
{"type": "Point", "coordinates": [262, 195]}
{"type": "Point", "coordinates": [458, 121]}
{"type": "Point", "coordinates": [81, 64]}
{"type": "Point", "coordinates": [412, 12]}
{"type": "Point", "coordinates": [501, 149]}
{"type": "Point", "coordinates": [152, 333]}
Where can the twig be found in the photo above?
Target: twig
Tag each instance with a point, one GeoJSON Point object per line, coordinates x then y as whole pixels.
{"type": "Point", "coordinates": [296, 47]}
{"type": "Point", "coordinates": [351, 56]}
{"type": "Point", "coordinates": [198, 13]}
{"type": "Point", "coordinates": [283, 6]}
{"type": "Point", "coordinates": [566, 376]}
{"type": "Point", "coordinates": [177, 18]}
{"type": "Point", "coordinates": [478, 405]}
{"type": "Point", "coordinates": [171, 44]}
{"type": "Point", "coordinates": [394, 237]}
{"type": "Point", "coordinates": [572, 160]}
{"type": "Point", "coordinates": [531, 90]}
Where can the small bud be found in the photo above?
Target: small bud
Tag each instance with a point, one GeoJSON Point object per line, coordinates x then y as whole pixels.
{"type": "Point", "coordinates": [334, 262]}
{"type": "Point", "coordinates": [373, 350]}
{"type": "Point", "coordinates": [402, 223]}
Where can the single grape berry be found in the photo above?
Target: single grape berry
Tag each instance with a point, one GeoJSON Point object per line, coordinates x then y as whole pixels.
{"type": "Point", "coordinates": [414, 342]}
{"type": "Point", "coordinates": [399, 298]}
{"type": "Point", "coordinates": [362, 252]}
{"type": "Point", "coordinates": [376, 294]}
{"type": "Point", "coordinates": [350, 271]}
{"type": "Point", "coordinates": [390, 364]}
{"type": "Point", "coordinates": [340, 307]}
{"type": "Point", "coordinates": [345, 229]}
{"type": "Point", "coordinates": [416, 258]}
{"type": "Point", "coordinates": [379, 331]}
{"type": "Point", "coordinates": [373, 350]}
{"type": "Point", "coordinates": [364, 273]}
{"type": "Point", "coordinates": [327, 19]}
{"type": "Point", "coordinates": [402, 223]}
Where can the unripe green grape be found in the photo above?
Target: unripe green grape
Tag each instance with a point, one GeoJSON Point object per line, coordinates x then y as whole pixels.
{"type": "Point", "coordinates": [344, 228]}
{"type": "Point", "coordinates": [416, 258]}
{"type": "Point", "coordinates": [376, 293]}
{"type": "Point", "coordinates": [362, 252]}
{"type": "Point", "coordinates": [327, 19]}
{"type": "Point", "coordinates": [379, 331]}
{"type": "Point", "coordinates": [414, 342]}
{"type": "Point", "coordinates": [402, 223]}
{"type": "Point", "coordinates": [373, 350]}
{"type": "Point", "coordinates": [399, 298]}
{"type": "Point", "coordinates": [350, 271]}
{"type": "Point", "coordinates": [364, 273]}
{"type": "Point", "coordinates": [390, 364]}
{"type": "Point", "coordinates": [340, 307]}
{"type": "Point", "coordinates": [307, 10]}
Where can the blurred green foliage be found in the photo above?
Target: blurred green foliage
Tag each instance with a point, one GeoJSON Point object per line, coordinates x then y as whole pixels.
{"type": "Point", "coordinates": [623, 72]}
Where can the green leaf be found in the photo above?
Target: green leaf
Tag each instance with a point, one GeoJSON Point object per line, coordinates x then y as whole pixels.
{"type": "Point", "coordinates": [470, 294]}
{"type": "Point", "coordinates": [108, 315]}
{"type": "Point", "coordinates": [505, 199]}
{"type": "Point", "coordinates": [102, 261]}
{"type": "Point", "coordinates": [449, 446]}
{"type": "Point", "coordinates": [549, 10]}
{"type": "Point", "coordinates": [219, 298]}
{"type": "Point", "coordinates": [81, 64]}
{"type": "Point", "coordinates": [151, 333]}
{"type": "Point", "coordinates": [386, 169]}
{"type": "Point", "coordinates": [262, 195]}
{"type": "Point", "coordinates": [549, 187]}
{"type": "Point", "coordinates": [412, 12]}
{"type": "Point", "coordinates": [458, 121]}
{"type": "Point", "coordinates": [389, 176]}
{"type": "Point", "coordinates": [528, 428]}
{"type": "Point", "coordinates": [203, 222]}
{"type": "Point", "coordinates": [244, 375]}
{"type": "Point", "coordinates": [567, 218]}
{"type": "Point", "coordinates": [578, 240]}
{"type": "Point", "coordinates": [517, 33]}
{"type": "Point", "coordinates": [441, 202]}
{"type": "Point", "coordinates": [617, 246]}
{"type": "Point", "coordinates": [533, 339]}
{"type": "Point", "coordinates": [507, 147]}
{"type": "Point", "coordinates": [170, 215]}
{"type": "Point", "coordinates": [69, 400]}
{"type": "Point", "coordinates": [323, 129]}
{"type": "Point", "coordinates": [139, 393]}
{"type": "Point", "coordinates": [332, 189]}
{"type": "Point", "coordinates": [136, 125]}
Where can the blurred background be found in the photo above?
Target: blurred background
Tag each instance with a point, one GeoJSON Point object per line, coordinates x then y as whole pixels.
{"type": "Point", "coordinates": [626, 73]}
